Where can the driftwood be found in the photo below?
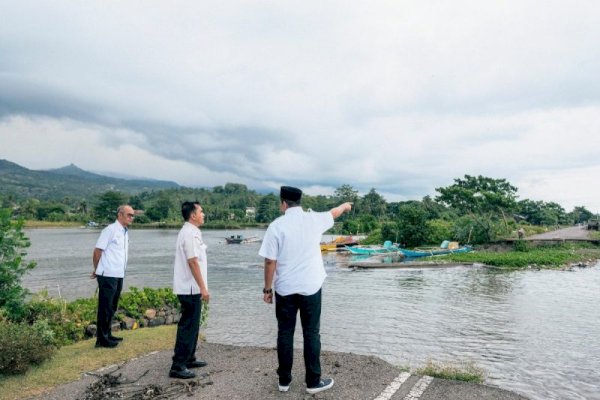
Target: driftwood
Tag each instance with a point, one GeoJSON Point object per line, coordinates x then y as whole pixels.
{"type": "Point", "coordinates": [110, 386]}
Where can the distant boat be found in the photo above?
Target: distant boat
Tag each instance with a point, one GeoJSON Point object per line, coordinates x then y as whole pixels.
{"type": "Point", "coordinates": [241, 239]}
{"type": "Point", "coordinates": [339, 243]}
{"type": "Point", "coordinates": [387, 247]}
{"type": "Point", "coordinates": [433, 252]}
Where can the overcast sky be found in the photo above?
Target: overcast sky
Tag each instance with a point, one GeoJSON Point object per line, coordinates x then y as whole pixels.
{"type": "Point", "coordinates": [400, 96]}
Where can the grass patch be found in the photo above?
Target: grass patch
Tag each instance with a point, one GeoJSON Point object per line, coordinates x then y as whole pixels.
{"type": "Point", "coordinates": [52, 224]}
{"type": "Point", "coordinates": [71, 361]}
{"type": "Point", "coordinates": [594, 235]}
{"type": "Point", "coordinates": [466, 372]}
{"type": "Point", "coordinates": [547, 256]}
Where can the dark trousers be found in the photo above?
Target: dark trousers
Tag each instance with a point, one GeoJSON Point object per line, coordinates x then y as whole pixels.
{"type": "Point", "coordinates": [187, 330]}
{"type": "Point", "coordinates": [286, 309]}
{"type": "Point", "coordinates": [109, 291]}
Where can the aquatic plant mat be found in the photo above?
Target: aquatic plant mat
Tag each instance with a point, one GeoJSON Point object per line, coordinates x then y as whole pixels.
{"type": "Point", "coordinates": [111, 386]}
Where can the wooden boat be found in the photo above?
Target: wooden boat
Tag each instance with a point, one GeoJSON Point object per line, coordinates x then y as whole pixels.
{"type": "Point", "coordinates": [387, 247]}
{"type": "Point", "coordinates": [240, 239]}
{"type": "Point", "coordinates": [433, 252]}
{"type": "Point", "coordinates": [339, 243]}
{"type": "Point", "coordinates": [412, 265]}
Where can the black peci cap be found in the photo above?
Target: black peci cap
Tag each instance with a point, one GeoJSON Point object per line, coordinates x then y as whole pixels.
{"type": "Point", "coordinates": [290, 193]}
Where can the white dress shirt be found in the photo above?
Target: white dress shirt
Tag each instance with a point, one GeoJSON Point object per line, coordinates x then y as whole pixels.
{"type": "Point", "coordinates": [114, 243]}
{"type": "Point", "coordinates": [189, 245]}
{"type": "Point", "coordinates": [293, 241]}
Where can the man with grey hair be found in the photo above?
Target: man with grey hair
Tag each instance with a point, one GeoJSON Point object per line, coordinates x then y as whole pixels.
{"type": "Point", "coordinates": [110, 262]}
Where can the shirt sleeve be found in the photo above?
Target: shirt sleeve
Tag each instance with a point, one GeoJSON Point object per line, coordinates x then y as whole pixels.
{"type": "Point", "coordinates": [269, 247]}
{"type": "Point", "coordinates": [326, 220]}
{"type": "Point", "coordinates": [105, 237]}
{"type": "Point", "coordinates": [190, 248]}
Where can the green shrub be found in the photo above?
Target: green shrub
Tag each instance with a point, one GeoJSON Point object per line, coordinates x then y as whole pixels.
{"type": "Point", "coordinates": [23, 345]}
{"type": "Point", "coordinates": [135, 302]}
{"type": "Point", "coordinates": [520, 245]}
{"type": "Point", "coordinates": [66, 323]}
{"type": "Point", "coordinates": [83, 309]}
{"type": "Point", "coordinates": [373, 238]}
{"type": "Point", "coordinates": [439, 230]}
{"type": "Point", "coordinates": [12, 263]}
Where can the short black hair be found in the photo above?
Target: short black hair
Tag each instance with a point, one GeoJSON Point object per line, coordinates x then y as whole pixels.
{"type": "Point", "coordinates": [187, 208]}
{"type": "Point", "coordinates": [291, 203]}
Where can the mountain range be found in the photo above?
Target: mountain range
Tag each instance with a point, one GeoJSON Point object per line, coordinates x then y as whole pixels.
{"type": "Point", "coordinates": [70, 181]}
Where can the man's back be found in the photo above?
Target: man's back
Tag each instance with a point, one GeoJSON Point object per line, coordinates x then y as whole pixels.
{"type": "Point", "coordinates": [293, 240]}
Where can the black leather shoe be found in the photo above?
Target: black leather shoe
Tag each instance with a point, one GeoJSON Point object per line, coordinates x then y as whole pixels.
{"type": "Point", "coordinates": [115, 338]}
{"type": "Point", "coordinates": [109, 344]}
{"type": "Point", "coordinates": [181, 374]}
{"type": "Point", "coordinates": [196, 364]}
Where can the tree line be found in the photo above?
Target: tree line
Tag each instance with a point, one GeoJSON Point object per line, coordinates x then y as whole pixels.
{"type": "Point", "coordinates": [474, 209]}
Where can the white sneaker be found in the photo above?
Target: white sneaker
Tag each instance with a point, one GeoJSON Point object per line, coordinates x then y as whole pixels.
{"type": "Point", "coordinates": [324, 384]}
{"type": "Point", "coordinates": [284, 388]}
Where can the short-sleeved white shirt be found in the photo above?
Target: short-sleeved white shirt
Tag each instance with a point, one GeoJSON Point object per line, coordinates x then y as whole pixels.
{"type": "Point", "coordinates": [189, 245]}
{"type": "Point", "coordinates": [114, 243]}
{"type": "Point", "coordinates": [293, 241]}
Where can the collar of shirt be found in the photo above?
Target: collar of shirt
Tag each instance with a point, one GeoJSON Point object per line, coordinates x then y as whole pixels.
{"type": "Point", "coordinates": [293, 210]}
{"type": "Point", "coordinates": [190, 225]}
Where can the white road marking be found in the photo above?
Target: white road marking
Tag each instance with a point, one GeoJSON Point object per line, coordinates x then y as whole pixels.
{"type": "Point", "coordinates": [419, 388]}
{"type": "Point", "coordinates": [393, 387]}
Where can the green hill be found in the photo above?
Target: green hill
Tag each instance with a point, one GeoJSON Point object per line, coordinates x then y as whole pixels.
{"type": "Point", "coordinates": [69, 181]}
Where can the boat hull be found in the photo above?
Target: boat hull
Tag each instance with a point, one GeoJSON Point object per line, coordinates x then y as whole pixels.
{"type": "Point", "coordinates": [371, 250]}
{"type": "Point", "coordinates": [434, 252]}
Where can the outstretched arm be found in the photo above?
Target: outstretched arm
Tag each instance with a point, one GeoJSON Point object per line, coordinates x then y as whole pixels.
{"type": "Point", "coordinates": [339, 210]}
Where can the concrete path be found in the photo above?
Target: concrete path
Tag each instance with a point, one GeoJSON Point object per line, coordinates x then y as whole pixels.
{"type": "Point", "coordinates": [248, 373]}
{"type": "Point", "coordinates": [571, 233]}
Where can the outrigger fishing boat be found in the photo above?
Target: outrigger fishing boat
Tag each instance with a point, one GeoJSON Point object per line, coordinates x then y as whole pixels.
{"type": "Point", "coordinates": [445, 248]}
{"type": "Point", "coordinates": [387, 247]}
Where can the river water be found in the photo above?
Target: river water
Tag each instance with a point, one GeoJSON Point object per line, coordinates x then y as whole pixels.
{"type": "Point", "coordinates": [533, 332]}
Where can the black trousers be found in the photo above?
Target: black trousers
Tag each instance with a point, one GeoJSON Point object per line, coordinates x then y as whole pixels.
{"type": "Point", "coordinates": [286, 309]}
{"type": "Point", "coordinates": [109, 291]}
{"type": "Point", "coordinates": [187, 330]}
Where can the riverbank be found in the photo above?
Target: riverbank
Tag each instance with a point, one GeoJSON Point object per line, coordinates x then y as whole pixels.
{"type": "Point", "coordinates": [546, 255]}
{"type": "Point", "coordinates": [34, 224]}
{"type": "Point", "coordinates": [248, 373]}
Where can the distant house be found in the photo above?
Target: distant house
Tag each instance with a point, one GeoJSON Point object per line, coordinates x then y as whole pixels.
{"type": "Point", "coordinates": [250, 211]}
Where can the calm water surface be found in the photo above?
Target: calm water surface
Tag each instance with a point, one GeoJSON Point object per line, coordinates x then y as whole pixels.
{"type": "Point", "coordinates": [533, 332]}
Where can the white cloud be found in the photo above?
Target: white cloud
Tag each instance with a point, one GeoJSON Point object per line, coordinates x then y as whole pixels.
{"type": "Point", "coordinates": [400, 96]}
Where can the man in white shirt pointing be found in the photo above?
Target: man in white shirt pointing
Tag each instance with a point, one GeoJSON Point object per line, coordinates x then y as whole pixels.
{"type": "Point", "coordinates": [293, 260]}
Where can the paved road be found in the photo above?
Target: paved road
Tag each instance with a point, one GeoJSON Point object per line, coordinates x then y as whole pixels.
{"type": "Point", "coordinates": [248, 373]}
{"type": "Point", "coordinates": [574, 233]}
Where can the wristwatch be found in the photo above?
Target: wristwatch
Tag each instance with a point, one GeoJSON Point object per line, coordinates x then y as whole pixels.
{"type": "Point", "coordinates": [267, 291]}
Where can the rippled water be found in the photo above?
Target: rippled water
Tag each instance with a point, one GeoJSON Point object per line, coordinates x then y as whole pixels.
{"type": "Point", "coordinates": [533, 332]}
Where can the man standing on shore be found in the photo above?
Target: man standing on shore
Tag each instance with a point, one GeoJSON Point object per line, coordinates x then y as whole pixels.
{"type": "Point", "coordinates": [293, 257]}
{"type": "Point", "coordinates": [110, 262]}
{"type": "Point", "coordinates": [190, 285]}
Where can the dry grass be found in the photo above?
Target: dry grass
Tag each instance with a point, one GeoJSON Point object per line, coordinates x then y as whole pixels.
{"type": "Point", "coordinates": [71, 361]}
{"type": "Point", "coordinates": [52, 224]}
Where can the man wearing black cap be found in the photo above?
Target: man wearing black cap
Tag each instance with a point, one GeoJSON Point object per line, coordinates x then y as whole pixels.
{"type": "Point", "coordinates": [293, 259]}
